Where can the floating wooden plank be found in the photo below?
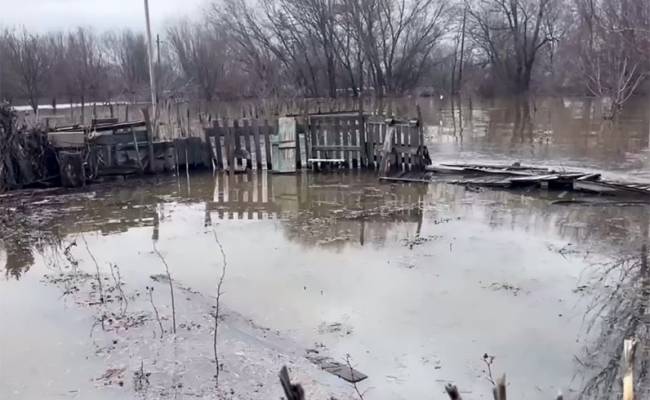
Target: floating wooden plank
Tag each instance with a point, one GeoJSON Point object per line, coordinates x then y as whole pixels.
{"type": "Point", "coordinates": [343, 371]}
{"type": "Point", "coordinates": [534, 178]}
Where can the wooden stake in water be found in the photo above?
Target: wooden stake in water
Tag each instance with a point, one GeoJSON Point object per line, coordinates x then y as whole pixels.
{"type": "Point", "coordinates": [629, 351]}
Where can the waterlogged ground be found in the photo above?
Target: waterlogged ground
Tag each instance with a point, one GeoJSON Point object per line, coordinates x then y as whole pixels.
{"type": "Point", "coordinates": [416, 283]}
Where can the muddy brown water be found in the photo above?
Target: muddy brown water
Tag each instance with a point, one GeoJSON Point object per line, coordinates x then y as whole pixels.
{"type": "Point", "coordinates": [415, 282]}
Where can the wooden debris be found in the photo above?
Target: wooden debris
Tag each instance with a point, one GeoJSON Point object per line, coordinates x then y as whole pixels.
{"type": "Point", "coordinates": [291, 391]}
{"type": "Point", "coordinates": [517, 175]}
{"type": "Point", "coordinates": [341, 370]}
{"type": "Point", "coordinates": [453, 392]}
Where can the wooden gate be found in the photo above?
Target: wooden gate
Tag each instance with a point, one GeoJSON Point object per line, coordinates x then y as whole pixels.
{"type": "Point", "coordinates": [284, 146]}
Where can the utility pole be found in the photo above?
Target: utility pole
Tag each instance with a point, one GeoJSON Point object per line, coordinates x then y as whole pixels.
{"type": "Point", "coordinates": [152, 72]}
{"type": "Point", "coordinates": [158, 65]}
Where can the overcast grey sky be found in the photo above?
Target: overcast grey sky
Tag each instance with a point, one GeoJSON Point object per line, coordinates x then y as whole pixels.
{"type": "Point", "coordinates": [44, 15]}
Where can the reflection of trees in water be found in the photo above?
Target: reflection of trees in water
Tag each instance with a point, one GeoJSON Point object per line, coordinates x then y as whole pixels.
{"type": "Point", "coordinates": [44, 218]}
{"type": "Point", "coordinates": [22, 237]}
{"type": "Point", "coordinates": [356, 210]}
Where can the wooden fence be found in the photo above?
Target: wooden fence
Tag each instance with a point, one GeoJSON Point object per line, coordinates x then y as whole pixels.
{"type": "Point", "coordinates": [351, 139]}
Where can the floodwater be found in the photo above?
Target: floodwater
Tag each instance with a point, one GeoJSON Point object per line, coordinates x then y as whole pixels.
{"type": "Point", "coordinates": [414, 282]}
{"type": "Point", "coordinates": [556, 131]}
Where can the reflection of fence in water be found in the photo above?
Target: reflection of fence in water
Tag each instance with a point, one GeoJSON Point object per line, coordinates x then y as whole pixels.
{"type": "Point", "coordinates": [246, 196]}
{"type": "Point", "coordinates": [258, 196]}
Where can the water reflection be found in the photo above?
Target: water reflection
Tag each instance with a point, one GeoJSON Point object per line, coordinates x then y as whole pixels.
{"type": "Point", "coordinates": [332, 210]}
{"type": "Point", "coordinates": [563, 131]}
{"type": "Point", "coordinates": [351, 224]}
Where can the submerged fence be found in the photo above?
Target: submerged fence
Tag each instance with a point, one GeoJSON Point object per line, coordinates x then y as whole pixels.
{"type": "Point", "coordinates": [352, 139]}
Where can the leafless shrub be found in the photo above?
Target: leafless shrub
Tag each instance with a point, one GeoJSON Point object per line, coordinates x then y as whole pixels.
{"type": "Point", "coordinates": [171, 285]}
{"type": "Point", "coordinates": [149, 290]}
{"type": "Point", "coordinates": [217, 308]}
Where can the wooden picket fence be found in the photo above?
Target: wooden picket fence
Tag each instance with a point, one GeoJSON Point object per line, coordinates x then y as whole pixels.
{"type": "Point", "coordinates": [350, 139]}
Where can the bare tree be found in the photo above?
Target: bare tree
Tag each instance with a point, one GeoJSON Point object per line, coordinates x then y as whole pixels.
{"type": "Point", "coordinates": [511, 34]}
{"type": "Point", "coordinates": [615, 46]}
{"type": "Point", "coordinates": [31, 63]}
{"type": "Point", "coordinates": [200, 52]}
{"type": "Point", "coordinates": [127, 52]}
{"type": "Point", "coordinates": [397, 38]}
{"type": "Point", "coordinates": [86, 65]}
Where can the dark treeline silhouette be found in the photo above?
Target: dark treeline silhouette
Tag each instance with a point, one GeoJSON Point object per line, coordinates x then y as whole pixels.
{"type": "Point", "coordinates": [334, 48]}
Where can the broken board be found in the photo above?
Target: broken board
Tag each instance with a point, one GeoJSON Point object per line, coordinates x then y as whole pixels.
{"type": "Point", "coordinates": [341, 370]}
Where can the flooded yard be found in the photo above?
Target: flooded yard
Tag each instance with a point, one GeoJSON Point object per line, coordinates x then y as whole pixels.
{"type": "Point", "coordinates": [416, 283]}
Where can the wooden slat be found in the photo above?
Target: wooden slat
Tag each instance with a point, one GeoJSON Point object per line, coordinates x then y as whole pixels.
{"type": "Point", "coordinates": [298, 155]}
{"type": "Point", "coordinates": [354, 139]}
{"type": "Point", "coordinates": [342, 148]}
{"type": "Point", "coordinates": [230, 147]}
{"type": "Point", "coordinates": [257, 144]}
{"type": "Point", "coordinates": [246, 137]}
{"type": "Point", "coordinates": [218, 144]}
{"type": "Point", "coordinates": [236, 134]}
{"type": "Point", "coordinates": [365, 156]}
{"type": "Point", "coordinates": [345, 142]}
{"type": "Point", "coordinates": [335, 134]}
{"type": "Point", "coordinates": [313, 141]}
{"type": "Point", "coordinates": [267, 144]}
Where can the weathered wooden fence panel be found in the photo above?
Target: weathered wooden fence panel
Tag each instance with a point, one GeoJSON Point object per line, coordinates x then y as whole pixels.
{"type": "Point", "coordinates": [351, 139]}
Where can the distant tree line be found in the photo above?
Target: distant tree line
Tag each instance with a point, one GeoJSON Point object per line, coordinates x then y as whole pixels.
{"type": "Point", "coordinates": [333, 48]}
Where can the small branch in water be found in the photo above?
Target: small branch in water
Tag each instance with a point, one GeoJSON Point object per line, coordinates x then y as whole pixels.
{"type": "Point", "coordinates": [155, 310]}
{"type": "Point", "coordinates": [217, 310]}
{"type": "Point", "coordinates": [99, 279]}
{"type": "Point", "coordinates": [117, 278]}
{"type": "Point", "coordinates": [171, 286]}
{"type": "Point", "coordinates": [489, 360]}
{"type": "Point", "coordinates": [356, 388]}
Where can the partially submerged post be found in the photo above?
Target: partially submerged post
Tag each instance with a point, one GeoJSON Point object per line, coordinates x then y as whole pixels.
{"type": "Point", "coordinates": [147, 120]}
{"type": "Point", "coordinates": [388, 148]}
{"type": "Point", "coordinates": [629, 352]}
{"type": "Point", "coordinates": [291, 391]}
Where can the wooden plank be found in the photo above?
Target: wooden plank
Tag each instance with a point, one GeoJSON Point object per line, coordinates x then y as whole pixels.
{"type": "Point", "coordinates": [267, 144]}
{"type": "Point", "coordinates": [336, 133]}
{"type": "Point", "coordinates": [363, 138]}
{"type": "Point", "coordinates": [230, 147]}
{"type": "Point", "coordinates": [344, 148]}
{"type": "Point", "coordinates": [217, 144]}
{"type": "Point", "coordinates": [208, 141]}
{"type": "Point", "coordinates": [330, 160]}
{"type": "Point", "coordinates": [345, 141]}
{"type": "Point", "coordinates": [341, 370]}
{"type": "Point", "coordinates": [298, 155]}
{"type": "Point", "coordinates": [387, 150]}
{"type": "Point", "coordinates": [315, 132]}
{"type": "Point", "coordinates": [246, 137]}
{"type": "Point", "coordinates": [354, 140]}
{"type": "Point", "coordinates": [236, 134]}
{"type": "Point", "coordinates": [257, 144]}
